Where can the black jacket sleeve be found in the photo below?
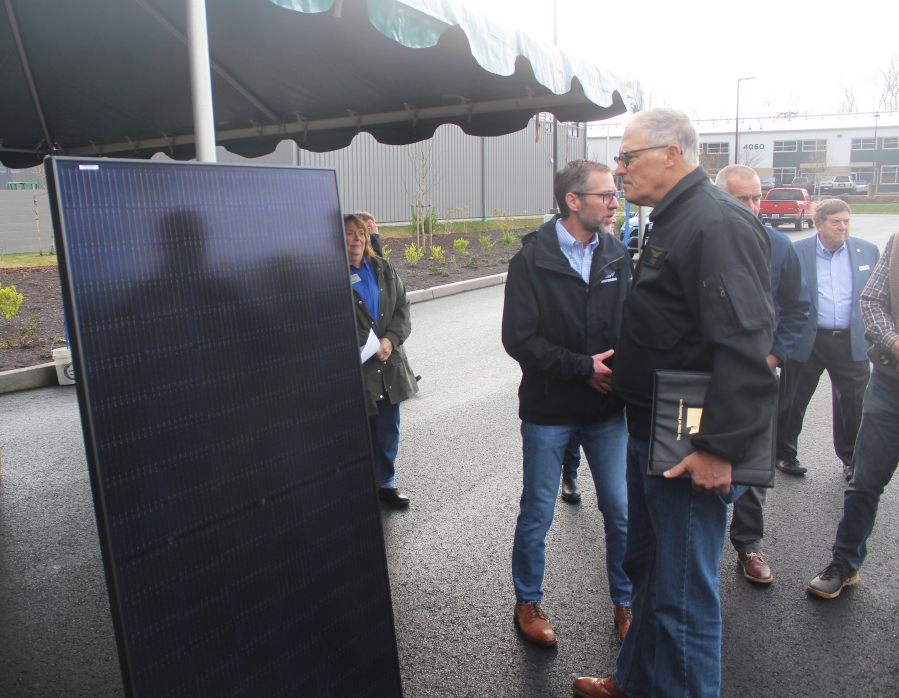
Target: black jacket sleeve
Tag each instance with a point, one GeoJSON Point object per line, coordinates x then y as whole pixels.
{"type": "Point", "coordinates": [737, 319]}
{"type": "Point", "coordinates": [521, 331]}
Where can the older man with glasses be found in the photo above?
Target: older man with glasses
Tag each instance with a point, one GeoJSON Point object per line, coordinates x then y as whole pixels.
{"type": "Point", "coordinates": [700, 301]}
{"type": "Point", "coordinates": [561, 315]}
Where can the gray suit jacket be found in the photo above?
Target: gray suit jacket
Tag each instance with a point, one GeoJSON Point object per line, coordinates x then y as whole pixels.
{"type": "Point", "coordinates": [863, 256]}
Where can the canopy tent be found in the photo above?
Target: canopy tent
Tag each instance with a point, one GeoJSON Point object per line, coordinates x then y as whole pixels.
{"type": "Point", "coordinates": [112, 79]}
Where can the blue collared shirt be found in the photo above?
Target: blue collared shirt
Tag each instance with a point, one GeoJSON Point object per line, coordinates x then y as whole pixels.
{"type": "Point", "coordinates": [579, 257]}
{"type": "Point", "coordinates": [834, 287]}
{"type": "Point", "coordinates": [366, 285]}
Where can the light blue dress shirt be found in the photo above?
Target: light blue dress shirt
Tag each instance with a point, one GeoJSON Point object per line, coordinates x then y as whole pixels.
{"type": "Point", "coordinates": [834, 287]}
{"type": "Point", "coordinates": [579, 257]}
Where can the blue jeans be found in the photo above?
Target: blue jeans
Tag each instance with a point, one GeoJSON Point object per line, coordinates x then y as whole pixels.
{"type": "Point", "coordinates": [385, 441]}
{"type": "Point", "coordinates": [571, 460]}
{"type": "Point", "coordinates": [674, 541]}
{"type": "Point", "coordinates": [542, 448]}
{"type": "Point", "coordinates": [874, 462]}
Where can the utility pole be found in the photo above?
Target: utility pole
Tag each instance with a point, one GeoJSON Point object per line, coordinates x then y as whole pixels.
{"type": "Point", "coordinates": [737, 131]}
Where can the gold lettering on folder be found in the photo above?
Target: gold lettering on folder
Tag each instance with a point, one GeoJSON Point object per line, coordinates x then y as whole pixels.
{"type": "Point", "coordinates": [694, 417]}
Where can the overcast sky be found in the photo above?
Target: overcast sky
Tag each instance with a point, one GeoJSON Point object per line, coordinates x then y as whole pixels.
{"type": "Point", "coordinates": [689, 54]}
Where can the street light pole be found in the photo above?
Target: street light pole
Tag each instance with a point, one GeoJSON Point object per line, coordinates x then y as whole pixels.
{"type": "Point", "coordinates": [737, 131]}
{"type": "Point", "coordinates": [555, 120]}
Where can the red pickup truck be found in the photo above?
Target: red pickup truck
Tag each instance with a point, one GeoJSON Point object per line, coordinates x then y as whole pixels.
{"type": "Point", "coordinates": [788, 205]}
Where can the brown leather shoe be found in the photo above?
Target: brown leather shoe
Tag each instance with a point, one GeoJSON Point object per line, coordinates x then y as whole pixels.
{"type": "Point", "coordinates": [623, 618]}
{"type": "Point", "coordinates": [588, 687]}
{"type": "Point", "coordinates": [531, 621]}
{"type": "Point", "coordinates": [755, 569]}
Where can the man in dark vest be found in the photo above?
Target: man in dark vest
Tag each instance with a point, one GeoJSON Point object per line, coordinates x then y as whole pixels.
{"type": "Point", "coordinates": [877, 446]}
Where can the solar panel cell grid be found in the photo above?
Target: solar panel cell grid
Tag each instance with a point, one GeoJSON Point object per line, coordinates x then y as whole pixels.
{"type": "Point", "coordinates": [222, 403]}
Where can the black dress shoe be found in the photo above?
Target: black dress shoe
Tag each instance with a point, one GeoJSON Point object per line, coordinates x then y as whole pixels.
{"type": "Point", "coordinates": [393, 496]}
{"type": "Point", "coordinates": [790, 466]}
{"type": "Point", "coordinates": [570, 491]}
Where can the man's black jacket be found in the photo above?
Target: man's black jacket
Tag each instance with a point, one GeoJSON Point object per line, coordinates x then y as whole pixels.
{"type": "Point", "coordinates": [553, 324]}
{"type": "Point", "coordinates": [701, 301]}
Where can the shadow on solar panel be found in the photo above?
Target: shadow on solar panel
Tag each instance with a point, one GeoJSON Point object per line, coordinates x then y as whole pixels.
{"type": "Point", "coordinates": [212, 329]}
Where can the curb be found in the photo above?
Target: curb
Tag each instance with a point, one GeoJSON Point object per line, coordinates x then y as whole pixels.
{"type": "Point", "coordinates": [427, 294]}
{"type": "Point", "coordinates": [45, 374]}
{"type": "Point", "coordinates": [28, 378]}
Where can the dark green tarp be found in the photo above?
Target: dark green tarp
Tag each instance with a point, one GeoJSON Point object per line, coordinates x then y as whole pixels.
{"type": "Point", "coordinates": [112, 77]}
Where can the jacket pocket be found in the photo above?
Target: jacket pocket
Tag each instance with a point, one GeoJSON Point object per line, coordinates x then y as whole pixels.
{"type": "Point", "coordinates": [651, 329]}
{"type": "Point", "coordinates": [737, 300]}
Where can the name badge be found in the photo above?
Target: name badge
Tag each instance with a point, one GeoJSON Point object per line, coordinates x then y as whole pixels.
{"type": "Point", "coordinates": [653, 256]}
{"type": "Point", "coordinates": [864, 267]}
{"type": "Point", "coordinates": [355, 278]}
{"type": "Point", "coordinates": [610, 278]}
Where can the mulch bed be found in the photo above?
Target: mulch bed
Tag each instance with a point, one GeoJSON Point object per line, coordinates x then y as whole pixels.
{"type": "Point", "coordinates": [42, 298]}
{"type": "Point", "coordinates": [455, 265]}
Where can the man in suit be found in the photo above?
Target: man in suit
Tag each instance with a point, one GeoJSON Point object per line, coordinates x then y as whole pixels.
{"type": "Point", "coordinates": [790, 297]}
{"type": "Point", "coordinates": [836, 268]}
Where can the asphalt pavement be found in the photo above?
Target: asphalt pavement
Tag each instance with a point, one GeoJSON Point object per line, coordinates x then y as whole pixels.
{"type": "Point", "coordinates": [449, 553]}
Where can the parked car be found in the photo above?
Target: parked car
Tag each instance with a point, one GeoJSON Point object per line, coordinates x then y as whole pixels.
{"type": "Point", "coordinates": [768, 183]}
{"type": "Point", "coordinates": [787, 205]}
{"type": "Point", "coordinates": [802, 183]}
{"type": "Point", "coordinates": [843, 184]}
{"type": "Point", "coordinates": [825, 185]}
{"type": "Point", "coordinates": [861, 187]}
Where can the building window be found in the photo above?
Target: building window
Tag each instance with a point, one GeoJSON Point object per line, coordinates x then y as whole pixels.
{"type": "Point", "coordinates": [862, 175]}
{"type": "Point", "coordinates": [814, 146]}
{"type": "Point", "coordinates": [717, 148]}
{"type": "Point", "coordinates": [784, 175]}
{"type": "Point", "coordinates": [785, 146]}
{"type": "Point", "coordinates": [863, 144]}
{"type": "Point", "coordinates": [890, 143]}
{"type": "Point", "coordinates": [889, 174]}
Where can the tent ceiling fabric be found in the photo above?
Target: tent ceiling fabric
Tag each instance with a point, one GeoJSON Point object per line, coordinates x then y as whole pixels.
{"type": "Point", "coordinates": [112, 79]}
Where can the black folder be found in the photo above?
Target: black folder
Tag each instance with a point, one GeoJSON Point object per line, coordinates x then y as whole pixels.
{"type": "Point", "coordinates": [677, 403]}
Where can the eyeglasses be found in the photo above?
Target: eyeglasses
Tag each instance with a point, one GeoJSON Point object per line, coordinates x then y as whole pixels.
{"type": "Point", "coordinates": [607, 196]}
{"type": "Point", "coordinates": [624, 159]}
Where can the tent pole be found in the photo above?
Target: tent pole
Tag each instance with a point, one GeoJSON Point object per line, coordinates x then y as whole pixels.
{"type": "Point", "coordinates": [200, 80]}
{"type": "Point", "coordinates": [27, 68]}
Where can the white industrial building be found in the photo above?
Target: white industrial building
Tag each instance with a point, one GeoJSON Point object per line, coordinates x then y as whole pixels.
{"type": "Point", "coordinates": [784, 147]}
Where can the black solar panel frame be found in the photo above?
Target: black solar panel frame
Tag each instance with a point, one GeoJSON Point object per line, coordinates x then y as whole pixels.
{"type": "Point", "coordinates": [112, 571]}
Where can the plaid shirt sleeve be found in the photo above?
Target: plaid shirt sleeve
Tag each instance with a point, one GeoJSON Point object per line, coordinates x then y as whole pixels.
{"type": "Point", "coordinates": [880, 329]}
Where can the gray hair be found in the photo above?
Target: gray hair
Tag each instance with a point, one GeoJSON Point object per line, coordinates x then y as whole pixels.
{"type": "Point", "coordinates": [665, 125]}
{"type": "Point", "coordinates": [828, 207]}
{"type": "Point", "coordinates": [574, 177]}
{"type": "Point", "coordinates": [731, 171]}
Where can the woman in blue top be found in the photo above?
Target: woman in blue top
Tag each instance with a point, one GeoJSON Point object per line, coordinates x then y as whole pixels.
{"type": "Point", "coordinates": [381, 306]}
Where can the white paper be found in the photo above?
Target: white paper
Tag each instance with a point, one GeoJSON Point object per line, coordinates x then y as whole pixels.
{"type": "Point", "coordinates": [372, 344]}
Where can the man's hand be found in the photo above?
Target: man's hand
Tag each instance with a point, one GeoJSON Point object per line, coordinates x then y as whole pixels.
{"type": "Point", "coordinates": [385, 351]}
{"type": "Point", "coordinates": [894, 347]}
{"type": "Point", "coordinates": [601, 380]}
{"type": "Point", "coordinates": [711, 473]}
{"type": "Point", "coordinates": [773, 361]}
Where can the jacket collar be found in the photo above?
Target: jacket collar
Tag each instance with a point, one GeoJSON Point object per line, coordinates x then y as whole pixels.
{"type": "Point", "coordinates": [694, 178]}
{"type": "Point", "coordinates": [548, 254]}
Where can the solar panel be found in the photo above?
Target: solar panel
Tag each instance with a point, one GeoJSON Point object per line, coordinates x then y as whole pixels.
{"type": "Point", "coordinates": [218, 378]}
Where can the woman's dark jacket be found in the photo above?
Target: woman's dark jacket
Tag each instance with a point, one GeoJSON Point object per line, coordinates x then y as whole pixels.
{"type": "Point", "coordinates": [701, 301]}
{"type": "Point", "coordinates": [392, 379]}
{"type": "Point", "coordinates": [554, 322]}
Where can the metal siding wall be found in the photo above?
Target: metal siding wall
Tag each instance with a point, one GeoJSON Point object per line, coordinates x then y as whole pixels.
{"type": "Point", "coordinates": [380, 178]}
{"type": "Point", "coordinates": [519, 171]}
